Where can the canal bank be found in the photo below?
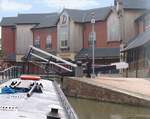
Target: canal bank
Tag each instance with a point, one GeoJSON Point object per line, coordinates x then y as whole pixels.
{"type": "Point", "coordinates": [116, 90]}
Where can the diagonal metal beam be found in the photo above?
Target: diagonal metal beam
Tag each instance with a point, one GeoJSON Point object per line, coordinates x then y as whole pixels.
{"type": "Point", "coordinates": [37, 56]}
{"type": "Point", "coordinates": [53, 56]}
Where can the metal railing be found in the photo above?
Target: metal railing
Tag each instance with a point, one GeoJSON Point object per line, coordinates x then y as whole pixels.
{"type": "Point", "coordinates": [69, 110]}
{"type": "Point", "coordinates": [11, 72]}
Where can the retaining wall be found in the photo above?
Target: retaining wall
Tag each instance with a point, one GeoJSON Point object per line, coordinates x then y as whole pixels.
{"type": "Point", "coordinates": [82, 89]}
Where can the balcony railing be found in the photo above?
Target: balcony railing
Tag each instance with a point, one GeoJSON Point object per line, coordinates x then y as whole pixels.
{"type": "Point", "coordinates": [10, 73]}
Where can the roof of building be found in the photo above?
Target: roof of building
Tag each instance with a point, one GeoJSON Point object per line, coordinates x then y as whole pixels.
{"type": "Point", "coordinates": [43, 20]}
{"type": "Point", "coordinates": [136, 4]}
{"type": "Point", "coordinates": [86, 15]}
{"type": "Point", "coordinates": [138, 41]}
{"type": "Point", "coordinates": [99, 53]}
{"type": "Point", "coordinates": [142, 16]}
{"type": "Point", "coordinates": [48, 21]}
{"type": "Point", "coordinates": [31, 18]}
{"type": "Point", "coordinates": [8, 21]}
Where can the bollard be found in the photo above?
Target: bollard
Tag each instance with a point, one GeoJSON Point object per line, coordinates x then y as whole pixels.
{"type": "Point", "coordinates": [79, 69]}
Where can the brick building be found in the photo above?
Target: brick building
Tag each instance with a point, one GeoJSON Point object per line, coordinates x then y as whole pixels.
{"type": "Point", "coordinates": [19, 32]}
{"type": "Point", "coordinates": [68, 34]}
{"type": "Point", "coordinates": [65, 34]}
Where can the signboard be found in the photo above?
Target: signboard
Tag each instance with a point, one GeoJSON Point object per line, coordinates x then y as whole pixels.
{"type": "Point", "coordinates": [121, 65]}
{"type": "Point", "coordinates": [67, 55]}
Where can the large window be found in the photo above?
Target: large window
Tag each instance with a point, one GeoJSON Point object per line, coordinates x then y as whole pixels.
{"type": "Point", "coordinates": [63, 32]}
{"type": "Point", "coordinates": [48, 42]}
{"type": "Point", "coordinates": [63, 37]}
{"type": "Point", "coordinates": [37, 42]}
{"type": "Point", "coordinates": [92, 35]}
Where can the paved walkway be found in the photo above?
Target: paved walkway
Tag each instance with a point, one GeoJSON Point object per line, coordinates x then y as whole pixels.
{"type": "Point", "coordinates": [137, 87]}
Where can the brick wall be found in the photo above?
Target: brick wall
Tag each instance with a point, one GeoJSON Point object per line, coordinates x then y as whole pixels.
{"type": "Point", "coordinates": [82, 89]}
{"type": "Point", "coordinates": [43, 33]}
{"type": "Point", "coordinates": [9, 40]}
{"type": "Point", "coordinates": [101, 36]}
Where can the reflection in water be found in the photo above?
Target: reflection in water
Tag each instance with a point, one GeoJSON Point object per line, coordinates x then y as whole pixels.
{"type": "Point", "coordinates": [87, 109]}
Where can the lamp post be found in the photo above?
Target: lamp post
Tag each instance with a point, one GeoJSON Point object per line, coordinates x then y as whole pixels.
{"type": "Point", "coordinates": [93, 44]}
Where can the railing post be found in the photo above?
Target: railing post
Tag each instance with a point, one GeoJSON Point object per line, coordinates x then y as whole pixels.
{"type": "Point", "coordinates": [14, 72]}
{"type": "Point", "coordinates": [2, 75]}
{"type": "Point", "coordinates": [9, 74]}
{"type": "Point", "coordinates": [11, 71]}
{"type": "Point", "coordinates": [5, 74]}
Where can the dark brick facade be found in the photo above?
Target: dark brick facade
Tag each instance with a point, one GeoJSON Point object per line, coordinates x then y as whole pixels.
{"type": "Point", "coordinates": [101, 35]}
{"type": "Point", "coordinates": [9, 41]}
{"type": "Point", "coordinates": [43, 33]}
{"type": "Point", "coordinates": [83, 89]}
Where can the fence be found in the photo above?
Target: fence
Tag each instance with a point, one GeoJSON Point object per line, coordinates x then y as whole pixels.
{"type": "Point", "coordinates": [11, 72]}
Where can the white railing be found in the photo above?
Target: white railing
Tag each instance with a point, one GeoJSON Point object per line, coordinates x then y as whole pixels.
{"type": "Point", "coordinates": [11, 72]}
{"type": "Point", "coordinates": [69, 110]}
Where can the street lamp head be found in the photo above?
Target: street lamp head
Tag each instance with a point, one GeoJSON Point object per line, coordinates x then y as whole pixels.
{"type": "Point", "coordinates": [93, 20]}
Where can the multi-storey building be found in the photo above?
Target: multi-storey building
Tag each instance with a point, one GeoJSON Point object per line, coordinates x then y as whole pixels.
{"type": "Point", "coordinates": [65, 35]}
{"type": "Point", "coordinates": [69, 34]}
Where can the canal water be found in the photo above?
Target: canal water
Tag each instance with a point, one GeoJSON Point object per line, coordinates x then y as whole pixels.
{"type": "Point", "coordinates": [88, 109]}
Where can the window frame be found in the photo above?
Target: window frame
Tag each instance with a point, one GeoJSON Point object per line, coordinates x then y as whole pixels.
{"type": "Point", "coordinates": [37, 42]}
{"type": "Point", "coordinates": [48, 44]}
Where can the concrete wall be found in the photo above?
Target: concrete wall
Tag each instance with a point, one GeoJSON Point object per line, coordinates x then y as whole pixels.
{"type": "Point", "coordinates": [76, 36]}
{"type": "Point", "coordinates": [129, 23]}
{"type": "Point", "coordinates": [141, 27]}
{"type": "Point", "coordinates": [113, 28]}
{"type": "Point", "coordinates": [43, 33]}
{"type": "Point", "coordinates": [24, 38]}
{"type": "Point", "coordinates": [83, 89]}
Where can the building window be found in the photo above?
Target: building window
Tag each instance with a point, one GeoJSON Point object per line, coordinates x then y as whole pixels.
{"type": "Point", "coordinates": [63, 33]}
{"type": "Point", "coordinates": [64, 44]}
{"type": "Point", "coordinates": [37, 42]}
{"type": "Point", "coordinates": [63, 38]}
{"type": "Point", "coordinates": [49, 42]}
{"type": "Point", "coordinates": [90, 41]}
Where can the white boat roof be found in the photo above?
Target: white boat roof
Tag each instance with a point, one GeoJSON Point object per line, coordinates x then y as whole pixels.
{"type": "Point", "coordinates": [19, 106]}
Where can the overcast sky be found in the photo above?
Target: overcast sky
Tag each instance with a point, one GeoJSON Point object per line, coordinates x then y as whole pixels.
{"type": "Point", "coordinates": [13, 7]}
